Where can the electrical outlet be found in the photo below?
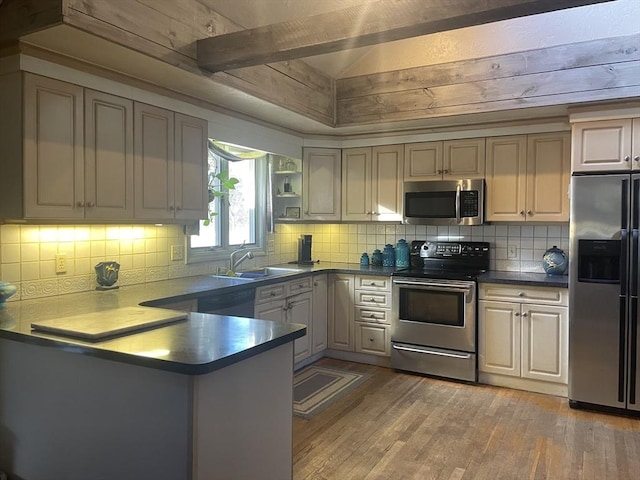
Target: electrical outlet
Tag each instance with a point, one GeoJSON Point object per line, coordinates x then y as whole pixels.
{"type": "Point", "coordinates": [271, 245]}
{"type": "Point", "coordinates": [177, 252]}
{"type": "Point", "coordinates": [512, 251]}
{"type": "Point", "coordinates": [61, 263]}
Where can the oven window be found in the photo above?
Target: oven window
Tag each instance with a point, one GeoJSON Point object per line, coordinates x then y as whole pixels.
{"type": "Point", "coordinates": [431, 306]}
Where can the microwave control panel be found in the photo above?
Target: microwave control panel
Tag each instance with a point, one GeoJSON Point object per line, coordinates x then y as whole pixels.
{"type": "Point", "coordinates": [469, 203]}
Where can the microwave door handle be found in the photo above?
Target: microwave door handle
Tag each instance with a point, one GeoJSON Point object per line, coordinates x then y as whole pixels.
{"type": "Point", "coordinates": [458, 216]}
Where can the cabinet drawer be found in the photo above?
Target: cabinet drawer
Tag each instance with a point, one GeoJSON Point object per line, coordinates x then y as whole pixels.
{"type": "Point", "coordinates": [367, 282]}
{"type": "Point", "coordinates": [299, 285]}
{"type": "Point", "coordinates": [373, 339]}
{"type": "Point", "coordinates": [522, 294]}
{"type": "Point", "coordinates": [271, 292]}
{"type": "Point", "coordinates": [373, 299]}
{"type": "Point", "coordinates": [372, 315]}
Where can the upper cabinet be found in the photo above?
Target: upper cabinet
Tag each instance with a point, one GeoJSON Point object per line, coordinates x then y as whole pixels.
{"type": "Point", "coordinates": [171, 176]}
{"type": "Point", "coordinates": [321, 184]}
{"type": "Point", "coordinates": [286, 186]}
{"type": "Point", "coordinates": [444, 160]}
{"type": "Point", "coordinates": [372, 183]}
{"type": "Point", "coordinates": [528, 178]}
{"type": "Point", "coordinates": [70, 156]}
{"type": "Point", "coordinates": [606, 145]}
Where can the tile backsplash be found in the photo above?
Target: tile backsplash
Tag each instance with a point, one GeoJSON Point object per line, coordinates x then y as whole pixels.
{"type": "Point", "coordinates": [28, 252]}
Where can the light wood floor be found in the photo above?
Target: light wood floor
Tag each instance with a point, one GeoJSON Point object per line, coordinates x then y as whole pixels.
{"type": "Point", "coordinates": [400, 426]}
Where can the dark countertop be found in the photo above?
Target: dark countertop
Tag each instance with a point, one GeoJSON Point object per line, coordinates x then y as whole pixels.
{"type": "Point", "coordinates": [532, 279]}
{"type": "Point", "coordinates": [201, 344]}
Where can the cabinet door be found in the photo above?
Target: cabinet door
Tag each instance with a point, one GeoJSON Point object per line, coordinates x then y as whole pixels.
{"type": "Point", "coordinates": [548, 177]}
{"type": "Point", "coordinates": [356, 184]}
{"type": "Point", "coordinates": [53, 149]}
{"type": "Point", "coordinates": [464, 158]}
{"type": "Point", "coordinates": [108, 156]}
{"type": "Point", "coordinates": [273, 311]}
{"type": "Point", "coordinates": [499, 338]}
{"type": "Point", "coordinates": [319, 314]}
{"type": "Point", "coordinates": [506, 178]}
{"type": "Point", "coordinates": [386, 183]}
{"type": "Point", "coordinates": [544, 343]}
{"type": "Point", "coordinates": [300, 310]}
{"type": "Point", "coordinates": [190, 168]}
{"type": "Point", "coordinates": [321, 184]}
{"type": "Point", "coordinates": [635, 147]}
{"type": "Point", "coordinates": [341, 312]}
{"type": "Point", "coordinates": [153, 162]}
{"type": "Point", "coordinates": [602, 145]}
{"type": "Point", "coordinates": [423, 161]}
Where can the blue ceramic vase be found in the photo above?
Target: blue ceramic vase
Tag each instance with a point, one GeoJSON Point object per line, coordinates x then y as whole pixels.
{"type": "Point", "coordinates": [555, 261]}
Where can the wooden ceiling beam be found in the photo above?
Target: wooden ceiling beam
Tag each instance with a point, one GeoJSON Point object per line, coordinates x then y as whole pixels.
{"type": "Point", "coordinates": [358, 26]}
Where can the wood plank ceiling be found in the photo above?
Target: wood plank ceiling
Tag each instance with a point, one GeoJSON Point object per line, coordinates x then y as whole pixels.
{"type": "Point", "coordinates": [277, 76]}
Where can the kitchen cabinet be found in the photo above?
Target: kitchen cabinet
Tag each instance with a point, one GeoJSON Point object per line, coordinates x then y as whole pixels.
{"type": "Point", "coordinates": [340, 318]}
{"type": "Point", "coordinates": [372, 183]}
{"type": "Point", "coordinates": [319, 314]}
{"type": "Point", "coordinates": [170, 165]}
{"type": "Point", "coordinates": [444, 160]}
{"type": "Point", "coordinates": [523, 335]}
{"type": "Point", "coordinates": [606, 145]}
{"type": "Point", "coordinates": [289, 302]}
{"type": "Point", "coordinates": [321, 184]}
{"type": "Point", "coordinates": [528, 178]}
{"type": "Point", "coordinates": [360, 312]}
{"type": "Point", "coordinates": [286, 186]}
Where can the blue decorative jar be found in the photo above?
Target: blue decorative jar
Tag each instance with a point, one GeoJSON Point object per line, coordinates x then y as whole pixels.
{"type": "Point", "coordinates": [364, 260]}
{"type": "Point", "coordinates": [555, 261]}
{"type": "Point", "coordinates": [376, 258]}
{"type": "Point", "coordinates": [6, 291]}
{"type": "Point", "coordinates": [402, 253]}
{"type": "Point", "coordinates": [388, 256]}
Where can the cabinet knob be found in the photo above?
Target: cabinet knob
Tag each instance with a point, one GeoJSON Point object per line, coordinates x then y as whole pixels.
{"type": "Point", "coordinates": [306, 213]}
{"type": "Point", "coordinates": [517, 314]}
{"type": "Point", "coordinates": [446, 171]}
{"type": "Point", "coordinates": [301, 285]}
{"type": "Point", "coordinates": [178, 208]}
{"type": "Point", "coordinates": [273, 294]}
{"type": "Point", "coordinates": [627, 158]}
{"type": "Point", "coordinates": [525, 314]}
{"type": "Point", "coordinates": [439, 171]}
{"type": "Point", "coordinates": [91, 204]}
{"type": "Point", "coordinates": [315, 284]}
{"type": "Point", "coordinates": [80, 204]}
{"type": "Point", "coordinates": [171, 208]}
{"type": "Point", "coordinates": [530, 213]}
{"type": "Point", "coordinates": [371, 339]}
{"type": "Point", "coordinates": [636, 158]}
{"type": "Point", "coordinates": [522, 213]}
{"type": "Point", "coordinates": [521, 294]}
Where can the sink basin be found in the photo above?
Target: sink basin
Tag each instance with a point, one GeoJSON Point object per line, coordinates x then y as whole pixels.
{"type": "Point", "coordinates": [267, 272]}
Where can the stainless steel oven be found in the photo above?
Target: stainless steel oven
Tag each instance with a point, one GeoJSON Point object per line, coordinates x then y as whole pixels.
{"type": "Point", "coordinates": [433, 329]}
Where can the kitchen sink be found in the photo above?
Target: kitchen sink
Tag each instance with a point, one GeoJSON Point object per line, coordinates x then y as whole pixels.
{"type": "Point", "coordinates": [267, 272]}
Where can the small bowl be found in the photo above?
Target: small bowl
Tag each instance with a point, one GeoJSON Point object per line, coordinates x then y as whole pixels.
{"type": "Point", "coordinates": [7, 290]}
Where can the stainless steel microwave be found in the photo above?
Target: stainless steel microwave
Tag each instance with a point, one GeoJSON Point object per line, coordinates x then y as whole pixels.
{"type": "Point", "coordinates": [444, 202]}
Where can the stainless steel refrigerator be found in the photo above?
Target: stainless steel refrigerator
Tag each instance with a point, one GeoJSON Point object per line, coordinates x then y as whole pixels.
{"type": "Point", "coordinates": [603, 291]}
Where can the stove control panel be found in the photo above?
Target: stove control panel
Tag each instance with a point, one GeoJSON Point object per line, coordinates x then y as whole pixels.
{"type": "Point", "coordinates": [450, 249]}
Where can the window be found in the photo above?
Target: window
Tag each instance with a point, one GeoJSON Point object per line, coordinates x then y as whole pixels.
{"type": "Point", "coordinates": [239, 212]}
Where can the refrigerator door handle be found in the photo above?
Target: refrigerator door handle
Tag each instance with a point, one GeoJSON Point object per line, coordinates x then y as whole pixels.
{"type": "Point", "coordinates": [633, 350]}
{"type": "Point", "coordinates": [624, 220]}
{"type": "Point", "coordinates": [622, 337]}
{"type": "Point", "coordinates": [635, 265]}
{"type": "Point", "coordinates": [624, 259]}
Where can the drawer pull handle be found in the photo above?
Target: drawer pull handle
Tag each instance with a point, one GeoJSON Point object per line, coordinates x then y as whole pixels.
{"type": "Point", "coordinates": [273, 294]}
{"type": "Point", "coordinates": [371, 339]}
{"type": "Point", "coordinates": [521, 294]}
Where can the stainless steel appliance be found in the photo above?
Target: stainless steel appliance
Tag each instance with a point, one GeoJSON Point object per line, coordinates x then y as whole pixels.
{"type": "Point", "coordinates": [603, 291]}
{"type": "Point", "coordinates": [433, 326]}
{"type": "Point", "coordinates": [444, 202]}
{"type": "Point", "coordinates": [304, 250]}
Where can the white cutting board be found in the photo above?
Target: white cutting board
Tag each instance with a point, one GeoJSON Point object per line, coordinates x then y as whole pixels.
{"type": "Point", "coordinates": [96, 325]}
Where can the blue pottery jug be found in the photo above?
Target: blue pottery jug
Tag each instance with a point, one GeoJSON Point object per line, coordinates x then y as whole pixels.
{"type": "Point", "coordinates": [402, 253]}
{"type": "Point", "coordinates": [376, 257]}
{"type": "Point", "coordinates": [364, 260]}
{"type": "Point", "coordinates": [388, 256]}
{"type": "Point", "coordinates": [555, 261]}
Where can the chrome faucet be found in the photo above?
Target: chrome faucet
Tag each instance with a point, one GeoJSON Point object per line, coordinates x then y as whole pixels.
{"type": "Point", "coordinates": [233, 263]}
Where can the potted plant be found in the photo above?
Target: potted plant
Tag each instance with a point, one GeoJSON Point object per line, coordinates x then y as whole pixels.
{"type": "Point", "coordinates": [218, 185]}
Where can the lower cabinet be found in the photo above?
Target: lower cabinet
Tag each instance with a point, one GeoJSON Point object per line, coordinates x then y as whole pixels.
{"type": "Point", "coordinates": [319, 313]}
{"type": "Point", "coordinates": [360, 312]}
{"type": "Point", "coordinates": [523, 337]}
{"type": "Point", "coordinates": [292, 303]}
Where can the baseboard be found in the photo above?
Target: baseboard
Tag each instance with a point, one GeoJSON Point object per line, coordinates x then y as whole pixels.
{"type": "Point", "coordinates": [549, 388]}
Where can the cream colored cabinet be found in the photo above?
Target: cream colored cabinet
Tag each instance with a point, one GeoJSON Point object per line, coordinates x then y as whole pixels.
{"type": "Point", "coordinates": [170, 165]}
{"type": "Point", "coordinates": [321, 184]}
{"type": "Point", "coordinates": [340, 318]}
{"type": "Point", "coordinates": [371, 183]}
{"type": "Point", "coordinates": [606, 145]}
{"type": "Point", "coordinates": [290, 302]}
{"type": "Point", "coordinates": [320, 313]}
{"type": "Point", "coordinates": [444, 160]}
{"type": "Point", "coordinates": [528, 178]}
{"type": "Point", "coordinates": [372, 316]}
{"type": "Point", "coordinates": [78, 152]}
{"type": "Point", "coordinates": [523, 333]}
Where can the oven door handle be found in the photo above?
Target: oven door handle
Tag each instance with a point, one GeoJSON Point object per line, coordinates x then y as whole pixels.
{"type": "Point", "coordinates": [431, 352]}
{"type": "Point", "coordinates": [462, 288]}
{"type": "Point", "coordinates": [458, 214]}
